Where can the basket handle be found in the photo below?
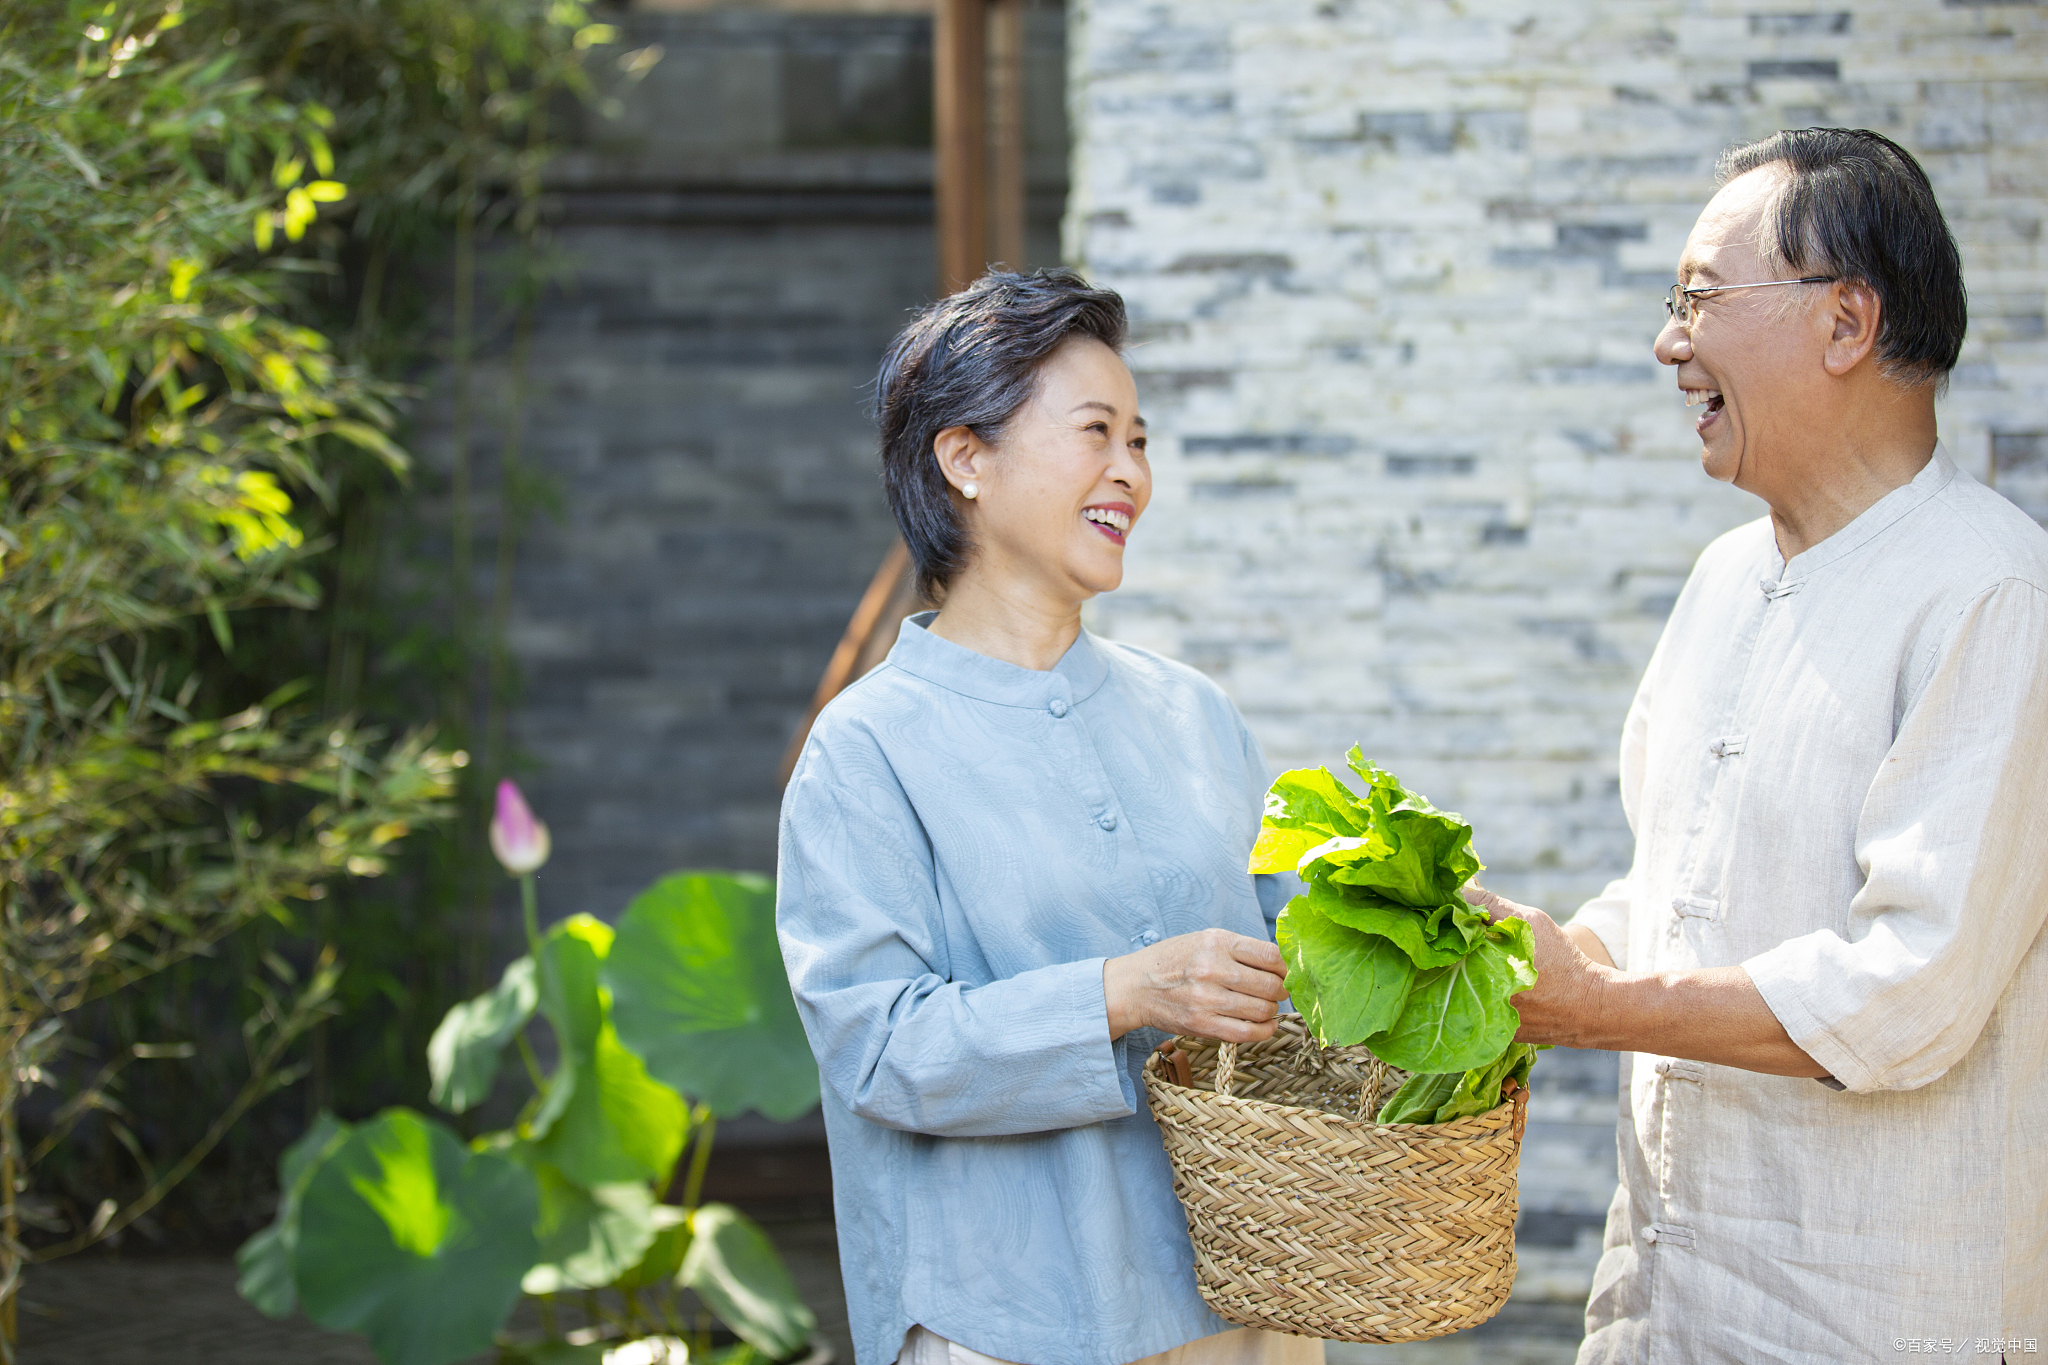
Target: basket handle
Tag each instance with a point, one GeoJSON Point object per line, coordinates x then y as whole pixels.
{"type": "Point", "coordinates": [1226, 1068]}
{"type": "Point", "coordinates": [1518, 1094]}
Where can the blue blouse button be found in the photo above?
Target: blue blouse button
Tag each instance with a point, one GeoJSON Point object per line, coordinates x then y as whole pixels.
{"type": "Point", "coordinates": [1107, 820]}
{"type": "Point", "coordinates": [1058, 708]}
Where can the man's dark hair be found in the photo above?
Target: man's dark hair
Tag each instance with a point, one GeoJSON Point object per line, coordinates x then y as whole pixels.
{"type": "Point", "coordinates": [1856, 206]}
{"type": "Point", "coordinates": [971, 360]}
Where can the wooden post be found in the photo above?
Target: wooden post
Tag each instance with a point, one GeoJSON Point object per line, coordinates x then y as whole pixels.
{"type": "Point", "coordinates": [964, 196]}
{"type": "Point", "coordinates": [891, 596]}
{"type": "Point", "coordinates": [960, 138]}
{"type": "Point", "coordinates": [1006, 132]}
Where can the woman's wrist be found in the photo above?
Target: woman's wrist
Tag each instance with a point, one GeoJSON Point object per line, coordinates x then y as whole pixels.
{"type": "Point", "coordinates": [1120, 977]}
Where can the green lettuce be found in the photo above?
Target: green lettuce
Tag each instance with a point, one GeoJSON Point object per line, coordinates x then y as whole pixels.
{"type": "Point", "coordinates": [1383, 949]}
{"type": "Point", "coordinates": [1444, 1096]}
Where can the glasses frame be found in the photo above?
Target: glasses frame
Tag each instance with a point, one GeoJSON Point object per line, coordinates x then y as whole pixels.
{"type": "Point", "coordinates": [1678, 304]}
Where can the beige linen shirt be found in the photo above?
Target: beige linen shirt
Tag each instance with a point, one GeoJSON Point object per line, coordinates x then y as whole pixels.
{"type": "Point", "coordinates": [1837, 774]}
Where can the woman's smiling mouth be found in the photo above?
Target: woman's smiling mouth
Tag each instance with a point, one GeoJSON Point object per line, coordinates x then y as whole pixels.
{"type": "Point", "coordinates": [1112, 519]}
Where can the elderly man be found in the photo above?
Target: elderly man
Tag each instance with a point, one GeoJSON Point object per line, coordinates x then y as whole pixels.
{"type": "Point", "coordinates": [1828, 956]}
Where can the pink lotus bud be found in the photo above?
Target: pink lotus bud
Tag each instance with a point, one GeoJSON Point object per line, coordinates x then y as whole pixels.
{"type": "Point", "coordinates": [519, 840]}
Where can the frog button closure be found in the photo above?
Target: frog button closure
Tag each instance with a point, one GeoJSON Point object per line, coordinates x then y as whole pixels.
{"type": "Point", "coordinates": [1058, 708]}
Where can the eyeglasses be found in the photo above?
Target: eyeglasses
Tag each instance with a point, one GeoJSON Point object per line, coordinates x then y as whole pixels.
{"type": "Point", "coordinates": [1678, 303]}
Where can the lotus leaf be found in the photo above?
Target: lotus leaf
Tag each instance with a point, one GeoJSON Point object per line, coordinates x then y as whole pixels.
{"type": "Point", "coordinates": [265, 1260]}
{"type": "Point", "coordinates": [414, 1240]}
{"type": "Point", "coordinates": [588, 1237]}
{"type": "Point", "coordinates": [604, 1119]}
{"type": "Point", "coordinates": [699, 992]}
{"type": "Point", "coordinates": [733, 1267]}
{"type": "Point", "coordinates": [462, 1056]}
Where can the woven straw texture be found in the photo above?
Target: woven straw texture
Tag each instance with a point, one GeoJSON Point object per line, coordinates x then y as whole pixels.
{"type": "Point", "coordinates": [1308, 1218]}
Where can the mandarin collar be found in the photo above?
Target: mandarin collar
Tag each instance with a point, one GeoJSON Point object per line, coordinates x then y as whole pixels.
{"type": "Point", "coordinates": [1875, 519]}
{"type": "Point", "coordinates": [1080, 671]}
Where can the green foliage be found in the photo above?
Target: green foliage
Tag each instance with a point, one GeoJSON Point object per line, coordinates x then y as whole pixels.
{"type": "Point", "coordinates": [602, 1118]}
{"type": "Point", "coordinates": [464, 1051]}
{"type": "Point", "coordinates": [584, 1168]}
{"type": "Point", "coordinates": [265, 1260]}
{"type": "Point", "coordinates": [590, 1236]}
{"type": "Point", "coordinates": [413, 1239]}
{"type": "Point", "coordinates": [163, 424]}
{"type": "Point", "coordinates": [216, 220]}
{"type": "Point", "coordinates": [733, 1267]}
{"type": "Point", "coordinates": [1451, 1095]}
{"type": "Point", "coordinates": [699, 991]}
{"type": "Point", "coordinates": [1381, 948]}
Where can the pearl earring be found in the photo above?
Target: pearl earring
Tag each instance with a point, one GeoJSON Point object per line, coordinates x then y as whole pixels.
{"type": "Point", "coordinates": [970, 490]}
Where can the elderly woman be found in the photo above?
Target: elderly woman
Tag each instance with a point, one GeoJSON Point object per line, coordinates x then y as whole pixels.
{"type": "Point", "coordinates": [1013, 861]}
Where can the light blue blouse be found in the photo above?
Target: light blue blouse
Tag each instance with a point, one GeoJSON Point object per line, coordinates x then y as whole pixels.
{"type": "Point", "coordinates": [963, 843]}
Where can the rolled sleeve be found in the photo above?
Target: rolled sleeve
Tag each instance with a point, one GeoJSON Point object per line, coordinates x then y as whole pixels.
{"type": "Point", "coordinates": [1950, 838]}
{"type": "Point", "coordinates": [1607, 916]}
{"type": "Point", "coordinates": [897, 1041]}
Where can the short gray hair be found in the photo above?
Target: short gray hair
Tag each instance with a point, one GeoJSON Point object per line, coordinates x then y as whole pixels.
{"type": "Point", "coordinates": [1856, 206]}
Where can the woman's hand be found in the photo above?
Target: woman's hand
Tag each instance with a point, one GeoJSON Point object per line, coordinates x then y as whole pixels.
{"type": "Point", "coordinates": [1211, 984]}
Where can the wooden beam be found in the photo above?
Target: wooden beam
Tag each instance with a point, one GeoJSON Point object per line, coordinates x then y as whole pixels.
{"type": "Point", "coordinates": [787, 6]}
{"type": "Point", "coordinates": [891, 596]}
{"type": "Point", "coordinates": [1006, 132]}
{"type": "Point", "coordinates": [964, 197]}
{"type": "Point", "coordinates": [960, 140]}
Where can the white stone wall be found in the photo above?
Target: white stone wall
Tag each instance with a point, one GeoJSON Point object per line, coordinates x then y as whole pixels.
{"type": "Point", "coordinates": [1395, 270]}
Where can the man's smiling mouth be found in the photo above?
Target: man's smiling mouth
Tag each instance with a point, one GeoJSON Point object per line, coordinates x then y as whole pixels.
{"type": "Point", "coordinates": [1712, 399]}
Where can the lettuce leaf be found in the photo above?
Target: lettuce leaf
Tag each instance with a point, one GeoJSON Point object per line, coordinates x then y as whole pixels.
{"type": "Point", "coordinates": [1432, 938]}
{"type": "Point", "coordinates": [1419, 1097]}
{"type": "Point", "coordinates": [1458, 1017]}
{"type": "Point", "coordinates": [1305, 809]}
{"type": "Point", "coordinates": [1444, 1096]}
{"type": "Point", "coordinates": [1346, 984]}
{"type": "Point", "coordinates": [1382, 948]}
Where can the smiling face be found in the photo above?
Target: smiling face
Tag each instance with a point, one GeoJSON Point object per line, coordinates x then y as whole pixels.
{"type": "Point", "coordinates": [1057, 498]}
{"type": "Point", "coordinates": [1751, 357]}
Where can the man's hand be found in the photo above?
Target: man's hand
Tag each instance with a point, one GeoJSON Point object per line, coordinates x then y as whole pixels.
{"type": "Point", "coordinates": [1211, 984]}
{"type": "Point", "coordinates": [1569, 981]}
{"type": "Point", "coordinates": [1714, 1014]}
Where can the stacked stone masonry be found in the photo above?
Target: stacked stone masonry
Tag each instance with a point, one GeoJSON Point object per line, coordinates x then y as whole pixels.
{"type": "Point", "coordinates": [1395, 270]}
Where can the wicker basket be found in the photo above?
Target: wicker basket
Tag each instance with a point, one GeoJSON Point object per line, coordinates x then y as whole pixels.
{"type": "Point", "coordinates": [1309, 1218]}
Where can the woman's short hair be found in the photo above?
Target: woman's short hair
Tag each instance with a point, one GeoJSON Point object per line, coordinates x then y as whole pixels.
{"type": "Point", "coordinates": [1856, 206]}
{"type": "Point", "coordinates": [971, 360]}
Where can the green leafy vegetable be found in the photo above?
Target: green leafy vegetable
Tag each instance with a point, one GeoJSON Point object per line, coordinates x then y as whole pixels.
{"type": "Point", "coordinates": [1444, 1096]}
{"type": "Point", "coordinates": [1458, 1016]}
{"type": "Point", "coordinates": [1383, 949]}
{"type": "Point", "coordinates": [1348, 985]}
{"type": "Point", "coordinates": [1420, 1097]}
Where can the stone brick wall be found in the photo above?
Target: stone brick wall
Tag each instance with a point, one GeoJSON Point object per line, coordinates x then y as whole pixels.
{"type": "Point", "coordinates": [1396, 269]}
{"type": "Point", "coordinates": [736, 247]}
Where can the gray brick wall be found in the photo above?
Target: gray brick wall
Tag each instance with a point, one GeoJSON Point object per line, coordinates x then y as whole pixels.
{"type": "Point", "coordinates": [737, 246]}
